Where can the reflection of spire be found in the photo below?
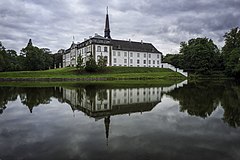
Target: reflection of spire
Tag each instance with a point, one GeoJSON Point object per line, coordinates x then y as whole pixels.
{"type": "Point", "coordinates": [107, 124]}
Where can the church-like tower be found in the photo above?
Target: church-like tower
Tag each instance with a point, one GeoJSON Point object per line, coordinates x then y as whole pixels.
{"type": "Point", "coordinates": [107, 27]}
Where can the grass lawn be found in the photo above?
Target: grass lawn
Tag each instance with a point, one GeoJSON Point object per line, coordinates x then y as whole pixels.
{"type": "Point", "coordinates": [111, 73]}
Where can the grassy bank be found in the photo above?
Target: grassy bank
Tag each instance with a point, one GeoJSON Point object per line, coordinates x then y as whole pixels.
{"type": "Point", "coordinates": [111, 73]}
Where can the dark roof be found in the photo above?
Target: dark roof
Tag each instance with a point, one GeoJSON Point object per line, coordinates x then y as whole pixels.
{"type": "Point", "coordinates": [133, 46]}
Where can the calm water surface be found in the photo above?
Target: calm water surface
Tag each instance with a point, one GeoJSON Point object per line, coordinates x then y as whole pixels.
{"type": "Point", "coordinates": [182, 121]}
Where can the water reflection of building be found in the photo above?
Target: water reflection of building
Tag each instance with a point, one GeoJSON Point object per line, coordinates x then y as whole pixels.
{"type": "Point", "coordinates": [106, 102]}
{"type": "Point", "coordinates": [103, 103]}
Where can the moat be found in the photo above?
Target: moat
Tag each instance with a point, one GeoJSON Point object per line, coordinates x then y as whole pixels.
{"type": "Point", "coordinates": [181, 121]}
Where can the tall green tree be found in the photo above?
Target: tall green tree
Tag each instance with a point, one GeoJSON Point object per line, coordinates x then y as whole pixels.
{"type": "Point", "coordinates": [102, 63]}
{"type": "Point", "coordinates": [36, 58]}
{"type": "Point", "coordinates": [91, 65]}
{"type": "Point", "coordinates": [8, 59]}
{"type": "Point", "coordinates": [231, 52]}
{"type": "Point", "coordinates": [200, 55]}
{"type": "Point", "coordinates": [80, 63]}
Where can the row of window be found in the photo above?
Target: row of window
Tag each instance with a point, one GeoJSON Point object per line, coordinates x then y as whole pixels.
{"type": "Point", "coordinates": [99, 49]}
{"type": "Point", "coordinates": [131, 100]}
{"type": "Point", "coordinates": [138, 61]}
{"type": "Point", "coordinates": [131, 54]}
{"type": "Point", "coordinates": [131, 93]}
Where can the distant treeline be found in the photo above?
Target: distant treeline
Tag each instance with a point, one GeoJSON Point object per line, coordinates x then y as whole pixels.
{"type": "Point", "coordinates": [202, 56]}
{"type": "Point", "coordinates": [30, 58]}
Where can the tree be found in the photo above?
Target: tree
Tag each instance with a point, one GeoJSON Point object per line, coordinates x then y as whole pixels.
{"type": "Point", "coordinates": [174, 59]}
{"type": "Point", "coordinates": [8, 59]}
{"type": "Point", "coordinates": [91, 65]}
{"type": "Point", "coordinates": [200, 55]}
{"type": "Point", "coordinates": [231, 52]}
{"type": "Point", "coordinates": [2, 63]}
{"type": "Point", "coordinates": [102, 63]}
{"type": "Point", "coordinates": [36, 58]}
{"type": "Point", "coordinates": [80, 63]}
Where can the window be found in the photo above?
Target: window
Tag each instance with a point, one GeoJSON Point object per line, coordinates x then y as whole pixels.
{"type": "Point", "coordinates": [144, 61]}
{"type": "Point", "coordinates": [158, 56]}
{"type": "Point", "coordinates": [131, 54]}
{"type": "Point", "coordinates": [138, 61]}
{"type": "Point", "coordinates": [115, 60]}
{"type": "Point", "coordinates": [149, 62]}
{"type": "Point", "coordinates": [125, 54]}
{"type": "Point", "coordinates": [153, 62]}
{"type": "Point", "coordinates": [138, 54]}
{"type": "Point", "coordinates": [105, 106]}
{"type": "Point", "coordinates": [105, 49]}
{"type": "Point", "coordinates": [131, 61]}
{"type": "Point", "coordinates": [114, 53]}
{"type": "Point", "coordinates": [149, 55]}
{"type": "Point", "coordinates": [99, 48]}
{"type": "Point", "coordinates": [125, 60]}
{"type": "Point", "coordinates": [119, 54]}
{"type": "Point", "coordinates": [157, 62]}
{"type": "Point", "coordinates": [144, 55]}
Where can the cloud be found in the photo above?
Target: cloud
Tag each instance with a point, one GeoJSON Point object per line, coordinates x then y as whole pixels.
{"type": "Point", "coordinates": [164, 23]}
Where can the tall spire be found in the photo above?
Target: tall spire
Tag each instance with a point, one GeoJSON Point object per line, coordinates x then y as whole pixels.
{"type": "Point", "coordinates": [107, 27]}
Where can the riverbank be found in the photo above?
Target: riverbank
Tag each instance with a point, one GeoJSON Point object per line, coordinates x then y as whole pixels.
{"type": "Point", "coordinates": [111, 74]}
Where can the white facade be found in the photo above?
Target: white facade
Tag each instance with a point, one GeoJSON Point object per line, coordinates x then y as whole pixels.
{"type": "Point", "coordinates": [115, 57]}
{"type": "Point", "coordinates": [135, 59]}
{"type": "Point", "coordinates": [113, 97]}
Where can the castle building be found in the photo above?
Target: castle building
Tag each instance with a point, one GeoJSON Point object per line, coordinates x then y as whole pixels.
{"type": "Point", "coordinates": [116, 52]}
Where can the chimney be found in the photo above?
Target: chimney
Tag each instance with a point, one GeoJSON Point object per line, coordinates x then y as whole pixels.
{"type": "Point", "coordinates": [142, 41]}
{"type": "Point", "coordinates": [129, 40]}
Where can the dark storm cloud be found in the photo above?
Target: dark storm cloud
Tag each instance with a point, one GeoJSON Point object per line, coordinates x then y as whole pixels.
{"type": "Point", "coordinates": [165, 23]}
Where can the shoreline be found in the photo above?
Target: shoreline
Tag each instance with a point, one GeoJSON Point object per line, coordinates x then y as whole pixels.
{"type": "Point", "coordinates": [82, 79]}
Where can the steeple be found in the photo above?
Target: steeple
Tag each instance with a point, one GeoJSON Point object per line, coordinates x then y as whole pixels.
{"type": "Point", "coordinates": [107, 27]}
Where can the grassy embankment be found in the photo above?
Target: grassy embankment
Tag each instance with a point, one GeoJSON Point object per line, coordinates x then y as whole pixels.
{"type": "Point", "coordinates": [111, 73]}
{"type": "Point", "coordinates": [114, 76]}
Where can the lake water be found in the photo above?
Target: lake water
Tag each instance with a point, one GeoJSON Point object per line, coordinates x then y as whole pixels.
{"type": "Point", "coordinates": [182, 121]}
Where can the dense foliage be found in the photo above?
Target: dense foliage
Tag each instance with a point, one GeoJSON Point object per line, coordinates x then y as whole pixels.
{"type": "Point", "coordinates": [30, 58]}
{"type": "Point", "coordinates": [198, 55]}
{"type": "Point", "coordinates": [231, 52]}
{"type": "Point", "coordinates": [91, 65]}
{"type": "Point", "coordinates": [202, 56]}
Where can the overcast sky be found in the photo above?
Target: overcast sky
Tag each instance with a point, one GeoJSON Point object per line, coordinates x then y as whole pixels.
{"type": "Point", "coordinates": [165, 23]}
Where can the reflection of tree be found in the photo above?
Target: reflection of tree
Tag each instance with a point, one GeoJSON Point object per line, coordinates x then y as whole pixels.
{"type": "Point", "coordinates": [102, 94]}
{"type": "Point", "coordinates": [34, 97]}
{"type": "Point", "coordinates": [80, 95]}
{"type": "Point", "coordinates": [231, 105]}
{"type": "Point", "coordinates": [91, 92]}
{"type": "Point", "coordinates": [198, 99]}
{"type": "Point", "coordinates": [7, 94]}
{"type": "Point", "coordinates": [201, 99]}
